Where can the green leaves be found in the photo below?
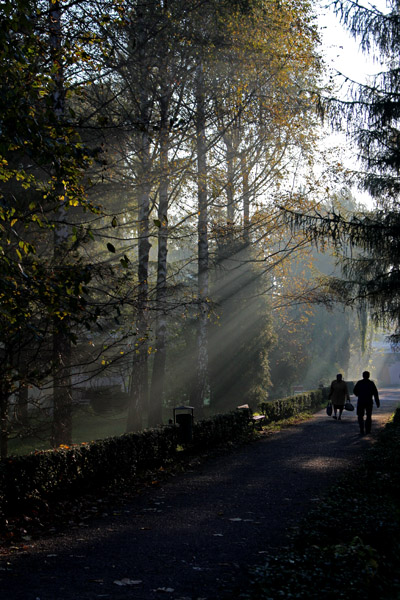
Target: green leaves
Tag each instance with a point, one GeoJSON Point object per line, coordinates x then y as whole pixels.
{"type": "Point", "coordinates": [125, 261]}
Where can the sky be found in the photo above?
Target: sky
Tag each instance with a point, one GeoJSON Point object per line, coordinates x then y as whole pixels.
{"type": "Point", "coordinates": [340, 49]}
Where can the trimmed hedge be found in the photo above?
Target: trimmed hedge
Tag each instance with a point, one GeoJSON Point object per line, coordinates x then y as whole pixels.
{"type": "Point", "coordinates": [39, 476]}
{"type": "Point", "coordinates": [222, 428]}
{"type": "Point", "coordinates": [26, 481]}
{"type": "Point", "coordinates": [277, 410]}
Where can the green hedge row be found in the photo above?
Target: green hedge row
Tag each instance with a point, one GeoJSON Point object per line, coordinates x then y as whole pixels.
{"type": "Point", "coordinates": [39, 476]}
{"type": "Point", "coordinates": [222, 428]}
{"type": "Point", "coordinates": [28, 480]}
{"type": "Point", "coordinates": [278, 410]}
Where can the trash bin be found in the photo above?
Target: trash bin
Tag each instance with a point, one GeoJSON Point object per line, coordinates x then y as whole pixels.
{"type": "Point", "coordinates": [183, 416]}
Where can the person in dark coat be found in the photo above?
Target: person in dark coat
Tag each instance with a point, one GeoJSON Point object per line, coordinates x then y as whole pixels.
{"type": "Point", "coordinates": [366, 392]}
{"type": "Point", "coordinates": [338, 395]}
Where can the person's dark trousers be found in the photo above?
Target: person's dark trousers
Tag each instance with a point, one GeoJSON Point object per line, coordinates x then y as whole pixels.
{"type": "Point", "coordinates": [364, 407]}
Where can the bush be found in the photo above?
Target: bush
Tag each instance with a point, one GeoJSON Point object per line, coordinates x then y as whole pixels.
{"type": "Point", "coordinates": [91, 467]}
{"type": "Point", "coordinates": [277, 410]}
{"type": "Point", "coordinates": [40, 476]}
{"type": "Point", "coordinates": [220, 429]}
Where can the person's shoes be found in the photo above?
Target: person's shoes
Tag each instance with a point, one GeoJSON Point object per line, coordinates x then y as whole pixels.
{"type": "Point", "coordinates": [333, 417]}
{"type": "Point", "coordinates": [339, 418]}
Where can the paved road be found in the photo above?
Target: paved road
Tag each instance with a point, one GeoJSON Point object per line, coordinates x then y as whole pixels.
{"type": "Point", "coordinates": [194, 537]}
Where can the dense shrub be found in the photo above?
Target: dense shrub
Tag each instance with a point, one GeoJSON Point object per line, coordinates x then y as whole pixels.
{"type": "Point", "coordinates": [28, 480]}
{"type": "Point", "coordinates": [47, 474]}
{"type": "Point", "coordinates": [276, 410]}
{"type": "Point", "coordinates": [221, 429]}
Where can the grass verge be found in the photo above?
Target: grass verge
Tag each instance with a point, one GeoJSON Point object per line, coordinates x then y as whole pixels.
{"type": "Point", "coordinates": [348, 547]}
{"type": "Point", "coordinates": [86, 427]}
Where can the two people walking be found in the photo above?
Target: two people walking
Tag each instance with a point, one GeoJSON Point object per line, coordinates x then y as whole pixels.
{"type": "Point", "coordinates": [366, 392]}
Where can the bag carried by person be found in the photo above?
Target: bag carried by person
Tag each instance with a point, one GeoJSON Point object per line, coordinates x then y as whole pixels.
{"type": "Point", "coordinates": [348, 406]}
{"type": "Point", "coordinates": [329, 409]}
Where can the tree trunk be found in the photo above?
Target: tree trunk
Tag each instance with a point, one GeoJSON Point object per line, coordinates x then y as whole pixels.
{"type": "Point", "coordinates": [230, 193]}
{"type": "Point", "coordinates": [246, 198]}
{"type": "Point", "coordinates": [62, 417]}
{"type": "Point", "coordinates": [139, 381]}
{"type": "Point", "coordinates": [3, 423]}
{"type": "Point", "coordinates": [139, 391]}
{"type": "Point", "coordinates": [202, 384]}
{"type": "Point", "coordinates": [158, 375]}
{"type": "Point", "coordinates": [22, 405]}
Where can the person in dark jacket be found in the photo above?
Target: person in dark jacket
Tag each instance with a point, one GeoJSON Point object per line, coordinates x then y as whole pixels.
{"type": "Point", "coordinates": [338, 395]}
{"type": "Point", "coordinates": [366, 392]}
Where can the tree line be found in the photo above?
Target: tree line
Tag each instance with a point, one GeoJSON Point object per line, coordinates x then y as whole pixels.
{"type": "Point", "coordinates": [147, 150]}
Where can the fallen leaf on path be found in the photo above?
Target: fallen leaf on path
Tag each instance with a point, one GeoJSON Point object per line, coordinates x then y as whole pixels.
{"type": "Point", "coordinates": [236, 519]}
{"type": "Point", "coordinates": [127, 581]}
{"type": "Point", "coordinates": [165, 590]}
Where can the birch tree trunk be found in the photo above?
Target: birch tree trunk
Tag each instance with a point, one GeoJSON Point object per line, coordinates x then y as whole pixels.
{"type": "Point", "coordinates": [200, 389]}
{"type": "Point", "coordinates": [158, 375]}
{"type": "Point", "coordinates": [62, 416]}
{"type": "Point", "coordinates": [246, 197]}
{"type": "Point", "coordinates": [139, 380]}
{"type": "Point", "coordinates": [230, 193]}
{"type": "Point", "coordinates": [139, 391]}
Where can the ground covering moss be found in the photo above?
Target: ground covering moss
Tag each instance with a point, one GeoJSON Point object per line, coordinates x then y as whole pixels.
{"type": "Point", "coordinates": [348, 546]}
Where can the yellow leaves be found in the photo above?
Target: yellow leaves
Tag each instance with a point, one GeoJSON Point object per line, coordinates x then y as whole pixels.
{"type": "Point", "coordinates": [24, 246]}
{"type": "Point", "coordinates": [60, 316]}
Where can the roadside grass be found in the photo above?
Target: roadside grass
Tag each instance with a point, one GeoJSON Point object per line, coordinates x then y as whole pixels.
{"type": "Point", "coordinates": [295, 420]}
{"type": "Point", "coordinates": [348, 546]}
{"type": "Point", "coordinates": [86, 427]}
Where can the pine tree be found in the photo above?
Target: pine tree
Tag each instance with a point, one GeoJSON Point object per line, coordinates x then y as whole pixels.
{"type": "Point", "coordinates": [369, 240]}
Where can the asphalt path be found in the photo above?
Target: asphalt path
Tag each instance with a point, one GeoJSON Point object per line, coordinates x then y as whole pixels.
{"type": "Point", "coordinates": [194, 537]}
